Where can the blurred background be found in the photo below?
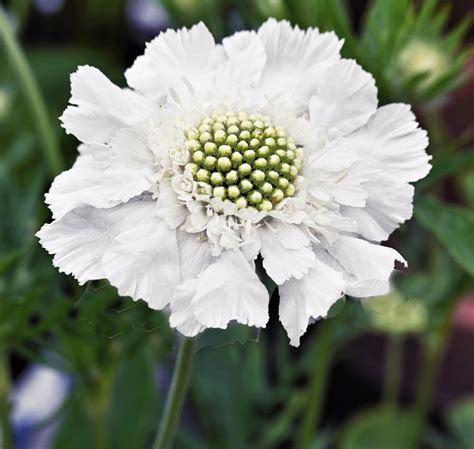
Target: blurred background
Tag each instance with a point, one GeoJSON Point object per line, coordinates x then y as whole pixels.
{"type": "Point", "coordinates": [81, 368]}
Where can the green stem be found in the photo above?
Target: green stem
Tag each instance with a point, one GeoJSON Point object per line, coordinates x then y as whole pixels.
{"type": "Point", "coordinates": [32, 94]}
{"type": "Point", "coordinates": [321, 364]}
{"type": "Point", "coordinates": [6, 436]}
{"type": "Point", "coordinates": [174, 402]}
{"type": "Point", "coordinates": [393, 369]}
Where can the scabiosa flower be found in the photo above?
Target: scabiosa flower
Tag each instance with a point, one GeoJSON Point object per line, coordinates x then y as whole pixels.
{"type": "Point", "coordinates": [269, 144]}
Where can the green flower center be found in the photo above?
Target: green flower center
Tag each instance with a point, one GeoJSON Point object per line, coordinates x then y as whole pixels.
{"type": "Point", "coordinates": [243, 158]}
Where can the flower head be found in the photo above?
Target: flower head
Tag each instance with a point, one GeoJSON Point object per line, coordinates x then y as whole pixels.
{"type": "Point", "coordinates": [268, 145]}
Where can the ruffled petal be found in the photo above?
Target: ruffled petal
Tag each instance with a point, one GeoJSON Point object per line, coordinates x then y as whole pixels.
{"type": "Point", "coordinates": [143, 262]}
{"type": "Point", "coordinates": [311, 297]}
{"type": "Point", "coordinates": [104, 175]}
{"type": "Point", "coordinates": [79, 240]}
{"type": "Point", "coordinates": [293, 55]}
{"type": "Point", "coordinates": [366, 266]}
{"type": "Point", "coordinates": [345, 99]}
{"type": "Point", "coordinates": [391, 150]}
{"type": "Point", "coordinates": [230, 290]}
{"type": "Point", "coordinates": [285, 251]}
{"type": "Point", "coordinates": [100, 108]}
{"type": "Point", "coordinates": [174, 57]}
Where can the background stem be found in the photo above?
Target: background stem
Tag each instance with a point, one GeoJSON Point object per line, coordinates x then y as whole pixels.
{"type": "Point", "coordinates": [32, 94]}
{"type": "Point", "coordinates": [321, 363]}
{"type": "Point", "coordinates": [393, 369]}
{"type": "Point", "coordinates": [6, 434]}
{"type": "Point", "coordinates": [174, 402]}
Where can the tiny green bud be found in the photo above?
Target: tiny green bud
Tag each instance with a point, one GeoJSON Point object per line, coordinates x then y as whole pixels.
{"type": "Point", "coordinates": [193, 145]}
{"type": "Point", "coordinates": [263, 151]}
{"type": "Point", "coordinates": [236, 159]}
{"type": "Point", "coordinates": [242, 146]}
{"type": "Point", "coordinates": [232, 140]}
{"type": "Point", "coordinates": [233, 192]}
{"type": "Point", "coordinates": [224, 150]}
{"type": "Point", "coordinates": [224, 164]}
{"type": "Point", "coordinates": [232, 121]}
{"type": "Point", "coordinates": [269, 132]}
{"type": "Point", "coordinates": [233, 129]}
{"type": "Point", "coordinates": [285, 168]}
{"type": "Point", "coordinates": [266, 188]}
{"type": "Point", "coordinates": [254, 143]}
{"type": "Point", "coordinates": [258, 124]}
{"type": "Point", "coordinates": [291, 155]}
{"type": "Point", "coordinates": [273, 176]}
{"type": "Point", "coordinates": [260, 163]}
{"type": "Point", "coordinates": [202, 175]}
{"type": "Point", "coordinates": [217, 178]}
{"type": "Point", "coordinates": [255, 197]}
{"type": "Point", "coordinates": [293, 172]}
{"type": "Point", "coordinates": [257, 133]}
{"type": "Point", "coordinates": [244, 135]}
{"type": "Point", "coordinates": [191, 134]}
{"type": "Point", "coordinates": [249, 155]}
{"type": "Point", "coordinates": [205, 137]}
{"type": "Point", "coordinates": [219, 192]}
{"type": "Point", "coordinates": [241, 202]}
{"type": "Point", "coordinates": [274, 160]}
{"type": "Point", "coordinates": [246, 185]}
{"type": "Point", "coordinates": [280, 132]}
{"type": "Point", "coordinates": [246, 125]}
{"type": "Point", "coordinates": [265, 205]}
{"type": "Point", "coordinates": [218, 127]}
{"type": "Point", "coordinates": [221, 119]}
{"type": "Point", "coordinates": [204, 128]}
{"type": "Point", "coordinates": [191, 167]}
{"type": "Point", "coordinates": [270, 142]}
{"type": "Point", "coordinates": [210, 162]}
{"type": "Point", "coordinates": [219, 136]}
{"type": "Point", "coordinates": [290, 190]}
{"type": "Point", "coordinates": [244, 169]}
{"type": "Point", "coordinates": [277, 195]}
{"type": "Point", "coordinates": [281, 142]}
{"type": "Point", "coordinates": [280, 153]}
{"type": "Point", "coordinates": [204, 188]}
{"type": "Point", "coordinates": [210, 148]}
{"type": "Point", "coordinates": [198, 157]}
{"type": "Point", "coordinates": [283, 183]}
{"type": "Point", "coordinates": [231, 177]}
{"type": "Point", "coordinates": [258, 176]}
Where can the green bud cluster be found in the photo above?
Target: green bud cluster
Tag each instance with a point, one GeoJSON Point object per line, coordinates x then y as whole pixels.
{"type": "Point", "coordinates": [243, 158]}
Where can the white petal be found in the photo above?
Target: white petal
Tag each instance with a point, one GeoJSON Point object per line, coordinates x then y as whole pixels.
{"type": "Point", "coordinates": [345, 99]}
{"type": "Point", "coordinates": [80, 239]}
{"type": "Point", "coordinates": [367, 266]}
{"type": "Point", "coordinates": [182, 316]}
{"type": "Point", "coordinates": [194, 254]}
{"type": "Point", "coordinates": [246, 59]}
{"type": "Point", "coordinates": [308, 298]}
{"type": "Point", "coordinates": [100, 107]}
{"type": "Point", "coordinates": [170, 208]}
{"type": "Point", "coordinates": [172, 57]}
{"type": "Point", "coordinates": [392, 153]}
{"type": "Point", "coordinates": [285, 251]}
{"type": "Point", "coordinates": [230, 290]}
{"type": "Point", "coordinates": [143, 262]}
{"type": "Point", "coordinates": [292, 54]}
{"type": "Point", "coordinates": [104, 176]}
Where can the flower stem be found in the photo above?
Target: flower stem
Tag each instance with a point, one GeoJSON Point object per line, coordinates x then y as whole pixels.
{"type": "Point", "coordinates": [321, 364]}
{"type": "Point", "coordinates": [174, 402]}
{"type": "Point", "coordinates": [393, 367]}
{"type": "Point", "coordinates": [32, 94]}
{"type": "Point", "coordinates": [6, 436]}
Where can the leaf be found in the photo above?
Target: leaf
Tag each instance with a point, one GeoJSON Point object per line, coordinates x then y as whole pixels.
{"type": "Point", "coordinates": [453, 226]}
{"type": "Point", "coordinates": [375, 429]}
{"type": "Point", "coordinates": [461, 421]}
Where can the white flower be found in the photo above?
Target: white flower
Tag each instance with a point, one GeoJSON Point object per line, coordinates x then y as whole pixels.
{"type": "Point", "coordinates": [268, 144]}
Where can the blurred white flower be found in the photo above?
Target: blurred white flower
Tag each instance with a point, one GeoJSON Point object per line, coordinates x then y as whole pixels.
{"type": "Point", "coordinates": [289, 158]}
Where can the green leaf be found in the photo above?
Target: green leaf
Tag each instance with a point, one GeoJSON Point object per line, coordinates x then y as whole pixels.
{"type": "Point", "coordinates": [453, 226]}
{"type": "Point", "coordinates": [461, 421]}
{"type": "Point", "coordinates": [375, 429]}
